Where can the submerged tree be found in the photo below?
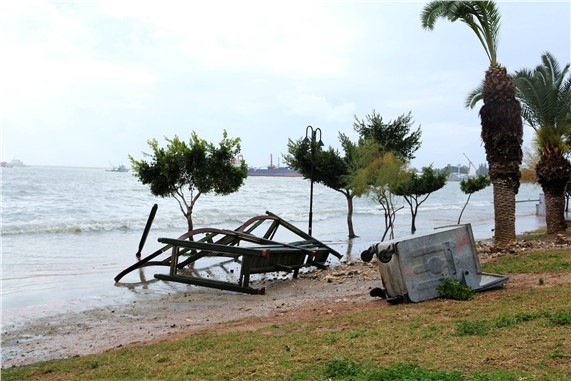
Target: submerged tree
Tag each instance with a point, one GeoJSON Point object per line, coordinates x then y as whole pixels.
{"type": "Point", "coordinates": [330, 168]}
{"type": "Point", "coordinates": [416, 189]}
{"type": "Point", "coordinates": [377, 174]}
{"type": "Point", "coordinates": [346, 172]}
{"type": "Point", "coordinates": [381, 157]}
{"type": "Point", "coordinates": [185, 171]}
{"type": "Point", "coordinates": [470, 186]}
{"type": "Point", "coordinates": [500, 115]}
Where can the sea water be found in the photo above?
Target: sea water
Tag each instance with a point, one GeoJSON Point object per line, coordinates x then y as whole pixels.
{"type": "Point", "coordinates": [67, 232]}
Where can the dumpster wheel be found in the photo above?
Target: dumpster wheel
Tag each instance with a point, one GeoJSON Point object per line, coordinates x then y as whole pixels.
{"type": "Point", "coordinates": [378, 292]}
{"type": "Point", "coordinates": [385, 257]}
{"type": "Point", "coordinates": [367, 255]}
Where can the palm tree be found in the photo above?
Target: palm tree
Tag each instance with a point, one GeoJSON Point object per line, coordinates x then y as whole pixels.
{"type": "Point", "coordinates": [547, 108]}
{"type": "Point", "coordinates": [502, 130]}
{"type": "Point", "coordinates": [545, 96]}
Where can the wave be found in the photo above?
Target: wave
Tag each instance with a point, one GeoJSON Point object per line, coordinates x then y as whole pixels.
{"type": "Point", "coordinates": [132, 217]}
{"type": "Point", "coordinates": [71, 227]}
{"type": "Point", "coordinates": [171, 222]}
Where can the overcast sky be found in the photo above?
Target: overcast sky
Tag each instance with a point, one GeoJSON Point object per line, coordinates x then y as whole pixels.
{"type": "Point", "coordinates": [86, 83]}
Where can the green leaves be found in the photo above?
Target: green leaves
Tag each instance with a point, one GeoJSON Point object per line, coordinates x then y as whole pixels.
{"type": "Point", "coordinates": [454, 289]}
{"type": "Point", "coordinates": [196, 166]}
{"type": "Point", "coordinates": [395, 136]}
{"type": "Point", "coordinates": [416, 188]}
{"type": "Point", "coordinates": [470, 186]}
{"type": "Point", "coordinates": [474, 184]}
{"type": "Point", "coordinates": [417, 185]}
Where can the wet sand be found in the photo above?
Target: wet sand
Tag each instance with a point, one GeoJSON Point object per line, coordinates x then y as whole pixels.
{"type": "Point", "coordinates": [336, 290]}
{"type": "Point", "coordinates": [160, 317]}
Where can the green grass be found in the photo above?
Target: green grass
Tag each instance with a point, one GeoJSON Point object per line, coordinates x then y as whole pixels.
{"type": "Point", "coordinates": [531, 262]}
{"type": "Point", "coordinates": [348, 370]}
{"type": "Point", "coordinates": [504, 334]}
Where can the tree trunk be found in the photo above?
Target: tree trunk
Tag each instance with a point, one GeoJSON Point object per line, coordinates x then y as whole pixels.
{"type": "Point", "coordinates": [553, 173]}
{"type": "Point", "coordinates": [350, 215]}
{"type": "Point", "coordinates": [463, 208]}
{"type": "Point", "coordinates": [413, 213]}
{"type": "Point", "coordinates": [504, 212]}
{"type": "Point", "coordinates": [502, 133]}
{"type": "Point", "coordinates": [555, 209]}
{"type": "Point", "coordinates": [189, 220]}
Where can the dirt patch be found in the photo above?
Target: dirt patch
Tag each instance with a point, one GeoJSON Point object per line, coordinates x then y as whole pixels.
{"type": "Point", "coordinates": [335, 291]}
{"type": "Point", "coordinates": [317, 293]}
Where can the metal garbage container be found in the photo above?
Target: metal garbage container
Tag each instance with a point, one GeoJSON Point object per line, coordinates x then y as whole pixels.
{"type": "Point", "coordinates": [411, 268]}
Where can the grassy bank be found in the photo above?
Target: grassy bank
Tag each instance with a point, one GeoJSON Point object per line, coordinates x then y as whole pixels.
{"type": "Point", "coordinates": [506, 334]}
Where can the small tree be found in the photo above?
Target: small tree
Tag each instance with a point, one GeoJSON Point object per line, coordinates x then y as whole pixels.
{"type": "Point", "coordinates": [377, 174]}
{"type": "Point", "coordinates": [330, 168]}
{"type": "Point", "coordinates": [198, 167]}
{"type": "Point", "coordinates": [472, 185]}
{"type": "Point", "coordinates": [383, 152]}
{"type": "Point", "coordinates": [416, 189]}
{"type": "Point", "coordinates": [394, 136]}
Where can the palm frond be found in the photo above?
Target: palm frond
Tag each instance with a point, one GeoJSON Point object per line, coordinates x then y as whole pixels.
{"type": "Point", "coordinates": [474, 96]}
{"type": "Point", "coordinates": [435, 10]}
{"type": "Point", "coordinates": [483, 17]}
{"type": "Point", "coordinates": [545, 94]}
{"type": "Point", "coordinates": [552, 140]}
{"type": "Point", "coordinates": [530, 97]}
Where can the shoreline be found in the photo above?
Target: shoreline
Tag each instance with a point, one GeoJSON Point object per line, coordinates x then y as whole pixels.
{"type": "Point", "coordinates": [75, 265]}
{"type": "Point", "coordinates": [166, 316]}
{"type": "Point", "coordinates": [152, 316]}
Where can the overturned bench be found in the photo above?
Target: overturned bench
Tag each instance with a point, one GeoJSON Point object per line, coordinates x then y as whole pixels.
{"type": "Point", "coordinates": [256, 254]}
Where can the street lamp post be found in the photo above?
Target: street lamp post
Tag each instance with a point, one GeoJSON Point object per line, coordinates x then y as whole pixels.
{"type": "Point", "coordinates": [311, 138]}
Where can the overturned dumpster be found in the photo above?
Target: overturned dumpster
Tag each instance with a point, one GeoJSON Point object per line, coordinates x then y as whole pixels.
{"type": "Point", "coordinates": [254, 253]}
{"type": "Point", "coordinates": [411, 268]}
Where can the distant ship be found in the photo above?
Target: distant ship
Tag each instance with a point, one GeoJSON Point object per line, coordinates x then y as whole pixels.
{"type": "Point", "coordinates": [120, 168]}
{"type": "Point", "coordinates": [276, 171]}
{"type": "Point", "coordinates": [272, 170]}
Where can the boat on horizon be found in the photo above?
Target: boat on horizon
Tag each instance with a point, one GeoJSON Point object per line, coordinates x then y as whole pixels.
{"type": "Point", "coordinates": [276, 171]}
{"type": "Point", "coordinates": [273, 170]}
{"type": "Point", "coordinates": [120, 168]}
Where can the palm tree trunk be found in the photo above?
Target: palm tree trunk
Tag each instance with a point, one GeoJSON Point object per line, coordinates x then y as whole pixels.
{"type": "Point", "coordinates": [553, 172]}
{"type": "Point", "coordinates": [504, 212]}
{"type": "Point", "coordinates": [502, 133]}
{"type": "Point", "coordinates": [555, 209]}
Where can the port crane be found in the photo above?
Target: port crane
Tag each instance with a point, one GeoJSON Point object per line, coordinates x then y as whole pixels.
{"type": "Point", "coordinates": [471, 165]}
